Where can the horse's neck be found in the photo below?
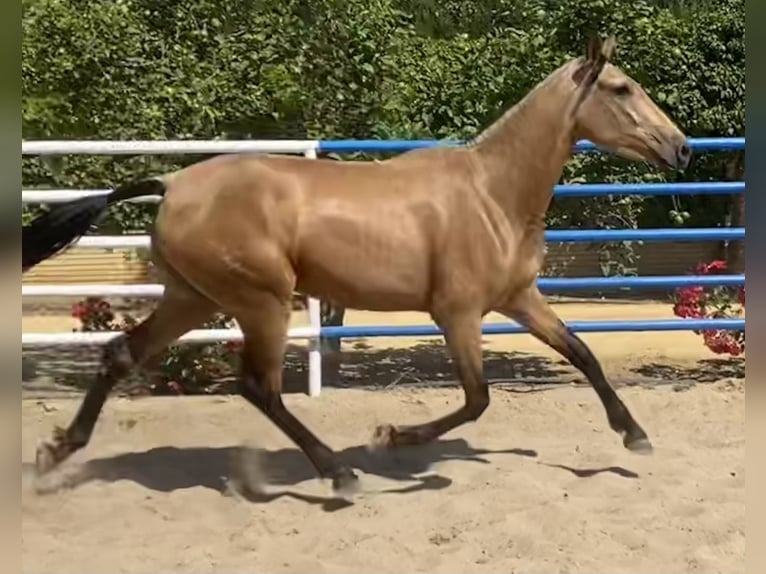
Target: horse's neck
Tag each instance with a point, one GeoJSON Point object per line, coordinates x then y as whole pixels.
{"type": "Point", "coordinates": [522, 155]}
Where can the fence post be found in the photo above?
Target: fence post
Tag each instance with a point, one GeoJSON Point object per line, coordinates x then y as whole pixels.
{"type": "Point", "coordinates": [315, 320]}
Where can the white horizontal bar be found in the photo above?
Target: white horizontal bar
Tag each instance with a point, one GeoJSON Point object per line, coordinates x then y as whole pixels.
{"type": "Point", "coordinates": [90, 290]}
{"type": "Point", "coordinates": [114, 241]}
{"type": "Point", "coordinates": [157, 147]}
{"type": "Point", "coordinates": [64, 195]}
{"type": "Point", "coordinates": [194, 336]}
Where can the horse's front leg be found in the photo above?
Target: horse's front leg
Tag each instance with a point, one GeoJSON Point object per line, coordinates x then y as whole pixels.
{"type": "Point", "coordinates": [532, 310]}
{"type": "Point", "coordinates": [462, 332]}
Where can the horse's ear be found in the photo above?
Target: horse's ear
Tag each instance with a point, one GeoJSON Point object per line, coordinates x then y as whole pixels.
{"type": "Point", "coordinates": [608, 47]}
{"type": "Point", "coordinates": [595, 59]}
{"type": "Point", "coordinates": [587, 72]}
{"type": "Point", "coordinates": [594, 49]}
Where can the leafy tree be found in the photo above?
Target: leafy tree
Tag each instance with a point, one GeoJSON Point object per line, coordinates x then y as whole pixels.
{"type": "Point", "coordinates": [353, 68]}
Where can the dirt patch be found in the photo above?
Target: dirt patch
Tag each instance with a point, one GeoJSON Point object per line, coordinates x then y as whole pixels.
{"type": "Point", "coordinates": [539, 483]}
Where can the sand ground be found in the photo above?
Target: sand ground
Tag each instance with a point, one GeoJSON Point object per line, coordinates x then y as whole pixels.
{"type": "Point", "coordinates": [538, 484]}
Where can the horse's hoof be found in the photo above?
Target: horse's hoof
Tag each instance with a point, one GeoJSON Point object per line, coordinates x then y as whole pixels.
{"type": "Point", "coordinates": [384, 436]}
{"type": "Point", "coordinates": [641, 445]}
{"type": "Point", "coordinates": [46, 458]}
{"type": "Point", "coordinates": [247, 472]}
{"type": "Point", "coordinates": [346, 484]}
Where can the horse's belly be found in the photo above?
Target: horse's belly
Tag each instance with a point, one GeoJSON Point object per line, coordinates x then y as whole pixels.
{"type": "Point", "coordinates": [359, 276]}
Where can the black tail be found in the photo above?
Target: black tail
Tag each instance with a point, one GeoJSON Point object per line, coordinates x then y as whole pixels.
{"type": "Point", "coordinates": [55, 230]}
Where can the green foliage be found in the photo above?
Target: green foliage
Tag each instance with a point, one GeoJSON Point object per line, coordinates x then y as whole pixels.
{"type": "Point", "coordinates": [357, 68]}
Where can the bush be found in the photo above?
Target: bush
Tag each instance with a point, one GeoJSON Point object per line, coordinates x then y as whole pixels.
{"type": "Point", "coordinates": [135, 69]}
{"type": "Point", "coordinates": [183, 369]}
{"type": "Point", "coordinates": [718, 303]}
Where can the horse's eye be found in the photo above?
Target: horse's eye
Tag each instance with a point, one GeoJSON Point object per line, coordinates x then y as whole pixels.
{"type": "Point", "coordinates": [622, 89]}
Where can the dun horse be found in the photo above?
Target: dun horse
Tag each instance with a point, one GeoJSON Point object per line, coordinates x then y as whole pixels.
{"type": "Point", "coordinates": [457, 232]}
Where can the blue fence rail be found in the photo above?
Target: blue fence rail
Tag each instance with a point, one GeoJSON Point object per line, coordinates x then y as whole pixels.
{"type": "Point", "coordinates": [649, 189]}
{"type": "Point", "coordinates": [680, 234]}
{"type": "Point", "coordinates": [350, 146]}
{"type": "Point", "coordinates": [589, 235]}
{"type": "Point", "coordinates": [558, 284]}
{"type": "Point", "coordinates": [511, 328]}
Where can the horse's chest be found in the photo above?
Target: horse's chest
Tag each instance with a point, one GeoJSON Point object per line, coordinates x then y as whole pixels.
{"type": "Point", "coordinates": [510, 261]}
{"type": "Point", "coordinates": [527, 260]}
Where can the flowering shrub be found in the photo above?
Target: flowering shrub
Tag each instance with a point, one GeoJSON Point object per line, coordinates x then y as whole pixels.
{"type": "Point", "coordinates": [718, 303]}
{"type": "Point", "coordinates": [183, 369]}
{"type": "Point", "coordinates": [95, 314]}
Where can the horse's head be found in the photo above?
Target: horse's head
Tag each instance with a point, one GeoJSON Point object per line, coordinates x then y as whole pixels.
{"type": "Point", "coordinates": [619, 116]}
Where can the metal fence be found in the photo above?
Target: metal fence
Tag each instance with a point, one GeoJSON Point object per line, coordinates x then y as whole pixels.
{"type": "Point", "coordinates": [314, 330]}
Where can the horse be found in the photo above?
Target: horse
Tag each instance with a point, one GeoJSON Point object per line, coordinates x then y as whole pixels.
{"type": "Point", "coordinates": [454, 231]}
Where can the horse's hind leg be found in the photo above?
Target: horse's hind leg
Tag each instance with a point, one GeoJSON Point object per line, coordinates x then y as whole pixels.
{"type": "Point", "coordinates": [462, 332]}
{"type": "Point", "coordinates": [176, 313]}
{"type": "Point", "coordinates": [532, 310]}
{"type": "Point", "coordinates": [265, 326]}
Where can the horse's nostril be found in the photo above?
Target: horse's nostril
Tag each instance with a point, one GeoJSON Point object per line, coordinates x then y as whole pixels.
{"type": "Point", "coordinates": [683, 156]}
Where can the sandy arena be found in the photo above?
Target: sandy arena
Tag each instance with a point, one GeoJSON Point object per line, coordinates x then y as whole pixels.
{"type": "Point", "coordinates": [539, 484]}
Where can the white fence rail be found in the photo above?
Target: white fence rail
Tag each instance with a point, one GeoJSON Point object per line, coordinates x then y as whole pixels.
{"type": "Point", "coordinates": [194, 336]}
{"type": "Point", "coordinates": [95, 290]}
{"type": "Point", "coordinates": [167, 147]}
{"type": "Point", "coordinates": [64, 195]}
{"type": "Point", "coordinates": [306, 147]}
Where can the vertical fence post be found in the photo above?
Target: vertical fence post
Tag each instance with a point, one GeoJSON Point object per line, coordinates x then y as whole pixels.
{"type": "Point", "coordinates": [315, 319]}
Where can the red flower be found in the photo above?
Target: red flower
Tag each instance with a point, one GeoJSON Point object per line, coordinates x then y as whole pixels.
{"type": "Point", "coordinates": [722, 342]}
{"type": "Point", "coordinates": [79, 310]}
{"type": "Point", "coordinates": [697, 303]}
{"type": "Point", "coordinates": [687, 311]}
{"type": "Point", "coordinates": [716, 266]}
{"type": "Point", "coordinates": [692, 295]}
{"type": "Point", "coordinates": [713, 267]}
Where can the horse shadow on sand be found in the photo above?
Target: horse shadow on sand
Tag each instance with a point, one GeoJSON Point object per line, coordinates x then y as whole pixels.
{"type": "Point", "coordinates": [261, 476]}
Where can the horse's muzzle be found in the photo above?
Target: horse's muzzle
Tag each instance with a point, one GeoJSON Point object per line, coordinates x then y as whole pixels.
{"type": "Point", "coordinates": [674, 152]}
{"type": "Point", "coordinates": [683, 156]}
